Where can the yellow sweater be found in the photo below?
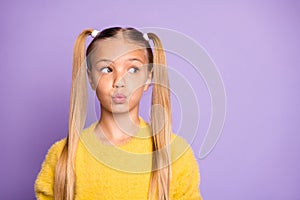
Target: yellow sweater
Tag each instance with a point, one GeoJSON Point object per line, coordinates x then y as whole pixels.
{"type": "Point", "coordinates": [121, 172]}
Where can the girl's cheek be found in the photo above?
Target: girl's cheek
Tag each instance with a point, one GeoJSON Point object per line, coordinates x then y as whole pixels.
{"type": "Point", "coordinates": [136, 82]}
{"type": "Point", "coordinates": [96, 78]}
{"type": "Point", "coordinates": [133, 87]}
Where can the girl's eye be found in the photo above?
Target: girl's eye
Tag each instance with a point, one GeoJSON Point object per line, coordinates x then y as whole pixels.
{"type": "Point", "coordinates": [106, 70]}
{"type": "Point", "coordinates": [133, 70]}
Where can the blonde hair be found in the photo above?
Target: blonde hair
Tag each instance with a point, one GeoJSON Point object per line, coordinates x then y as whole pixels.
{"type": "Point", "coordinates": [65, 177]}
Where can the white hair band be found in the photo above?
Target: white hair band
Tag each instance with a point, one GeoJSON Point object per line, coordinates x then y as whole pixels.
{"type": "Point", "coordinates": [95, 33]}
{"type": "Point", "coordinates": [145, 36]}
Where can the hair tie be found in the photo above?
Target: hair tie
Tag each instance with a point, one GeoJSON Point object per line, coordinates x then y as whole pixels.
{"type": "Point", "coordinates": [145, 36]}
{"type": "Point", "coordinates": [95, 33]}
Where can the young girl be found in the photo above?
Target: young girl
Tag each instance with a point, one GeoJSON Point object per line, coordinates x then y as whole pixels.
{"type": "Point", "coordinates": [119, 156]}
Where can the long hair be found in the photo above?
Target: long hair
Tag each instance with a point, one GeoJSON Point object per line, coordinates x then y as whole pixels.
{"type": "Point", "coordinates": [65, 177]}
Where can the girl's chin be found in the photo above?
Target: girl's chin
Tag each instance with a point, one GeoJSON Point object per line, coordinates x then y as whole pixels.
{"type": "Point", "coordinates": [120, 108]}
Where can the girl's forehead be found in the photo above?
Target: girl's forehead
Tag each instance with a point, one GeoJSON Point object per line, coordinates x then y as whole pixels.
{"type": "Point", "coordinates": [114, 49]}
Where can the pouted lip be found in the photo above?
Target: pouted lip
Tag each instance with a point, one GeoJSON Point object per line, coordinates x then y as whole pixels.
{"type": "Point", "coordinates": [119, 98]}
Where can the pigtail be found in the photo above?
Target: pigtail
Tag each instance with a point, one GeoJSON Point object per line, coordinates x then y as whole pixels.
{"type": "Point", "coordinates": [64, 183]}
{"type": "Point", "coordinates": [160, 124]}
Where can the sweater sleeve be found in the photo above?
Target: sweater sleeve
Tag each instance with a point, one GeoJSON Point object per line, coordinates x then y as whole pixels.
{"type": "Point", "coordinates": [186, 172]}
{"type": "Point", "coordinates": [45, 180]}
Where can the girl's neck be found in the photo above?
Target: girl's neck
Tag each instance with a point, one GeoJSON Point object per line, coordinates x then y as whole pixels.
{"type": "Point", "coordinates": [117, 128]}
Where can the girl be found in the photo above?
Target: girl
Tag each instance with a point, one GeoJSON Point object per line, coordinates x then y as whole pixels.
{"type": "Point", "coordinates": [120, 156]}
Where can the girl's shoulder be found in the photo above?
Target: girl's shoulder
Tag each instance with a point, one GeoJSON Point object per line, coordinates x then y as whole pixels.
{"type": "Point", "coordinates": [179, 146]}
{"type": "Point", "coordinates": [55, 150]}
{"type": "Point", "coordinates": [58, 145]}
{"type": "Point", "coordinates": [45, 179]}
{"type": "Point", "coordinates": [182, 154]}
{"type": "Point", "coordinates": [185, 170]}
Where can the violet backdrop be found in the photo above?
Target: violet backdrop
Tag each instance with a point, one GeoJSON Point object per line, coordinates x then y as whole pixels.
{"type": "Point", "coordinates": [255, 45]}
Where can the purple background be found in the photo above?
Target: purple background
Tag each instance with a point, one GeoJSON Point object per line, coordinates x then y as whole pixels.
{"type": "Point", "coordinates": [255, 45]}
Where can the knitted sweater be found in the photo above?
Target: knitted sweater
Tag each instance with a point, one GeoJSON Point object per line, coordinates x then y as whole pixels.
{"type": "Point", "coordinates": [121, 172]}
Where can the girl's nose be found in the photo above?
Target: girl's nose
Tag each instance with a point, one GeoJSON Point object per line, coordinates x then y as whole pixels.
{"type": "Point", "coordinates": [119, 81]}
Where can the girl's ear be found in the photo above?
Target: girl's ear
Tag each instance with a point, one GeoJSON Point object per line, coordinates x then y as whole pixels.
{"type": "Point", "coordinates": [89, 72]}
{"type": "Point", "coordinates": [148, 82]}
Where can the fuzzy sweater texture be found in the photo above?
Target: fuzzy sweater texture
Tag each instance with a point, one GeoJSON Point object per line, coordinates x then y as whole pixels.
{"type": "Point", "coordinates": [121, 172]}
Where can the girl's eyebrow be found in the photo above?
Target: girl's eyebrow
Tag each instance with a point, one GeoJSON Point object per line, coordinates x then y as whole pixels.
{"type": "Point", "coordinates": [135, 59]}
{"type": "Point", "coordinates": [108, 60]}
{"type": "Point", "coordinates": [104, 60]}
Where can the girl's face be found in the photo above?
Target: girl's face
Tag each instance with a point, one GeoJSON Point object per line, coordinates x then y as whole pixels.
{"type": "Point", "coordinates": [119, 74]}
